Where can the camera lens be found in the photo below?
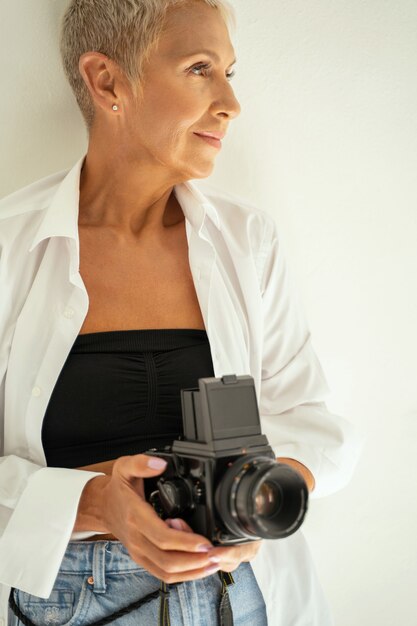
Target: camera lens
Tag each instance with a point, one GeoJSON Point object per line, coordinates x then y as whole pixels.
{"type": "Point", "coordinates": [268, 499]}
{"type": "Point", "coordinates": [258, 497]}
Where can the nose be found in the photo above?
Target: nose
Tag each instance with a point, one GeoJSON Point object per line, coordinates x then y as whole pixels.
{"type": "Point", "coordinates": [227, 103]}
{"type": "Point", "coordinates": [236, 108]}
{"type": "Point", "coordinates": [233, 107]}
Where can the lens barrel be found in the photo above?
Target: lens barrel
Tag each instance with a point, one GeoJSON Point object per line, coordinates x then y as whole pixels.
{"type": "Point", "coordinates": [261, 498]}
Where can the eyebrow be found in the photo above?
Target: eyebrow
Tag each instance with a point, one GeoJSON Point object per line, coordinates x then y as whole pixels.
{"type": "Point", "coordinates": [209, 53]}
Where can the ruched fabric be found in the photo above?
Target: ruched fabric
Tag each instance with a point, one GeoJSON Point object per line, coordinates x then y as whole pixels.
{"type": "Point", "coordinates": [118, 393]}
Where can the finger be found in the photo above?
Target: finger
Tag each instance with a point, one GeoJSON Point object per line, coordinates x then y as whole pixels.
{"type": "Point", "coordinates": [229, 566]}
{"type": "Point", "coordinates": [170, 561]}
{"type": "Point", "coordinates": [138, 466]}
{"type": "Point", "coordinates": [177, 577]}
{"type": "Point", "coordinates": [227, 553]}
{"type": "Point", "coordinates": [156, 531]}
{"type": "Point", "coordinates": [179, 524]}
{"type": "Point", "coordinates": [232, 556]}
{"type": "Point", "coordinates": [237, 552]}
{"type": "Point", "coordinates": [106, 467]}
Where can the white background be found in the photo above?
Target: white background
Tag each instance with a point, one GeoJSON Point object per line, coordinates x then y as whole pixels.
{"type": "Point", "coordinates": [326, 143]}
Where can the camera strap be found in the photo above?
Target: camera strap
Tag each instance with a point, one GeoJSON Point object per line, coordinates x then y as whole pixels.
{"type": "Point", "coordinates": [163, 614]}
{"type": "Point", "coordinates": [225, 609]}
{"type": "Point", "coordinates": [163, 618]}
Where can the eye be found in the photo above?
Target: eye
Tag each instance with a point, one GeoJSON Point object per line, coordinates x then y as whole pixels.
{"type": "Point", "coordinates": [205, 67]}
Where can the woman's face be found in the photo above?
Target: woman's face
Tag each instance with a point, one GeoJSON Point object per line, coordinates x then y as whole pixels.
{"type": "Point", "coordinates": [180, 97]}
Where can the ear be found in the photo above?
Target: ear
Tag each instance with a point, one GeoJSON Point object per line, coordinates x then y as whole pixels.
{"type": "Point", "coordinates": [102, 78]}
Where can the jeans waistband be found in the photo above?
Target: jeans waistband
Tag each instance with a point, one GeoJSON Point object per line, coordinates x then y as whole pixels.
{"type": "Point", "coordinates": [98, 558]}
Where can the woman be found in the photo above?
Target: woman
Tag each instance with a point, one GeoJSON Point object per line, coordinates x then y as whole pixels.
{"type": "Point", "coordinates": [122, 283]}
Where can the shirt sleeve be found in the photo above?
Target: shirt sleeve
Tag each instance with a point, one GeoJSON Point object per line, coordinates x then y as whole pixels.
{"type": "Point", "coordinates": [38, 507]}
{"type": "Point", "coordinates": [292, 407]}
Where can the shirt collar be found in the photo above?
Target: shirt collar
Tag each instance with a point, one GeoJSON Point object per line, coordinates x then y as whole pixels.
{"type": "Point", "coordinates": [61, 215]}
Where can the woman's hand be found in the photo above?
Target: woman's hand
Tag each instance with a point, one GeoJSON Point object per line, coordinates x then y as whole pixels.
{"type": "Point", "coordinates": [116, 504]}
{"type": "Point", "coordinates": [230, 557]}
{"type": "Point", "coordinates": [105, 466]}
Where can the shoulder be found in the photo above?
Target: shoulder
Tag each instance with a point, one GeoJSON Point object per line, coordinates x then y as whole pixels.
{"type": "Point", "coordinates": [22, 210]}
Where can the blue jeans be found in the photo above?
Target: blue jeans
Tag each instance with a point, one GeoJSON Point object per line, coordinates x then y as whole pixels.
{"type": "Point", "coordinates": [97, 578]}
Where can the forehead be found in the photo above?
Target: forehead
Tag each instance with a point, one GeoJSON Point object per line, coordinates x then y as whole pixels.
{"type": "Point", "coordinates": [195, 28]}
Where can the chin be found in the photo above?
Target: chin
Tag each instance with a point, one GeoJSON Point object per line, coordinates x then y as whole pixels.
{"type": "Point", "coordinates": [202, 172]}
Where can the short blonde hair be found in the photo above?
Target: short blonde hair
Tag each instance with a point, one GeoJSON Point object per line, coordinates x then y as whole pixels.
{"type": "Point", "coordinates": [126, 31]}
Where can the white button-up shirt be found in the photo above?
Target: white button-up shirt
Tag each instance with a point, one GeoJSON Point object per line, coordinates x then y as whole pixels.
{"type": "Point", "coordinates": [255, 326]}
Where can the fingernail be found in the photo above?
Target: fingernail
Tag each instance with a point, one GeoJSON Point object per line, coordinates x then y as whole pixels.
{"type": "Point", "coordinates": [204, 548]}
{"type": "Point", "coordinates": [175, 523]}
{"type": "Point", "coordinates": [156, 463]}
{"type": "Point", "coordinates": [211, 570]}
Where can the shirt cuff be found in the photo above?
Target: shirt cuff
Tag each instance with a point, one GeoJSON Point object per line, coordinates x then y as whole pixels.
{"type": "Point", "coordinates": [35, 539]}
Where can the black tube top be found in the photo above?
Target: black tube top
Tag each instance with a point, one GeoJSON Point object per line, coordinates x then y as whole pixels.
{"type": "Point", "coordinates": [118, 393]}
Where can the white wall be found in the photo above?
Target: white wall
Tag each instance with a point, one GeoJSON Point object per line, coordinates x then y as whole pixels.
{"type": "Point", "coordinates": [326, 142]}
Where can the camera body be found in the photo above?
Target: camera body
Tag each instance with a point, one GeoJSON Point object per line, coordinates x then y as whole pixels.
{"type": "Point", "coordinates": [222, 477]}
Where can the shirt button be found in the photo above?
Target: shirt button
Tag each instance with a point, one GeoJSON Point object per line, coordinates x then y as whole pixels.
{"type": "Point", "coordinates": [69, 312]}
{"type": "Point", "coordinates": [36, 391]}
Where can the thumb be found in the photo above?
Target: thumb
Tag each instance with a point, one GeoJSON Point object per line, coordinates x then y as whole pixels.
{"type": "Point", "coordinates": [140, 466]}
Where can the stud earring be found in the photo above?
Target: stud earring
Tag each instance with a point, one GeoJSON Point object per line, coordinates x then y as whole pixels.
{"type": "Point", "coordinates": [115, 107]}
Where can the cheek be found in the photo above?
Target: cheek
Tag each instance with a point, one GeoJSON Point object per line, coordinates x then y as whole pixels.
{"type": "Point", "coordinates": [177, 135]}
{"type": "Point", "coordinates": [169, 131]}
{"type": "Point", "coordinates": [170, 106]}
{"type": "Point", "coordinates": [174, 116]}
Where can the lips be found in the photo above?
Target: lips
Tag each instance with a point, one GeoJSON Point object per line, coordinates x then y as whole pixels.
{"type": "Point", "coordinates": [216, 143]}
{"type": "Point", "coordinates": [214, 134]}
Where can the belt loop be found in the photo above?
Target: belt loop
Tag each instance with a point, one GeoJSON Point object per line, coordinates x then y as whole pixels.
{"type": "Point", "coordinates": [99, 567]}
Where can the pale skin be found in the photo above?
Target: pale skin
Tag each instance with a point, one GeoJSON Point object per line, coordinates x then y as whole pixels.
{"type": "Point", "coordinates": [130, 219]}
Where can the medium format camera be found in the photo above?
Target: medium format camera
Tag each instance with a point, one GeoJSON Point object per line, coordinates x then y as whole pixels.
{"type": "Point", "coordinates": [222, 477]}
